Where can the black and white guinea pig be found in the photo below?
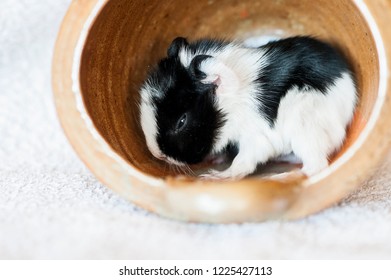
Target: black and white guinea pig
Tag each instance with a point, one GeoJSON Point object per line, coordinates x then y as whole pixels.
{"type": "Point", "coordinates": [292, 95]}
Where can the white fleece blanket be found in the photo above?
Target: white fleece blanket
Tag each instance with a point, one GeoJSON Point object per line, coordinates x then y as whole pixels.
{"type": "Point", "coordinates": [52, 207]}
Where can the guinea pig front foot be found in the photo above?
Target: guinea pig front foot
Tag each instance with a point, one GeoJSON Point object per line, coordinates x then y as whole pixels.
{"type": "Point", "coordinates": [241, 166]}
{"type": "Point", "coordinates": [230, 173]}
{"type": "Point", "coordinates": [221, 175]}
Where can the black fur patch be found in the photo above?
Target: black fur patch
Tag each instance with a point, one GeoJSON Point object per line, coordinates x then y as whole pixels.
{"type": "Point", "coordinates": [176, 45]}
{"type": "Point", "coordinates": [183, 94]}
{"type": "Point", "coordinates": [231, 150]}
{"type": "Point", "coordinates": [206, 45]}
{"type": "Point", "coordinates": [296, 61]}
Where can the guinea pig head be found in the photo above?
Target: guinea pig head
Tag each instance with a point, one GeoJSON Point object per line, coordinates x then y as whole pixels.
{"type": "Point", "coordinates": [178, 111]}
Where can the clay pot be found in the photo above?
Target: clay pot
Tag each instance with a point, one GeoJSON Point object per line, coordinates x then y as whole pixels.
{"type": "Point", "coordinates": [105, 48]}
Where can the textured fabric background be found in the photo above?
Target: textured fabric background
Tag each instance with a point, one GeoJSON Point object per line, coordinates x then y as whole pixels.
{"type": "Point", "coordinates": [52, 207]}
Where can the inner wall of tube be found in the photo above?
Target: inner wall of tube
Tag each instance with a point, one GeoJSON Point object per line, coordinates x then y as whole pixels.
{"type": "Point", "coordinates": [128, 37]}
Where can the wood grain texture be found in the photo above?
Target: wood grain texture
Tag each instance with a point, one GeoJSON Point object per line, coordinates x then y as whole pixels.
{"type": "Point", "coordinates": [124, 38]}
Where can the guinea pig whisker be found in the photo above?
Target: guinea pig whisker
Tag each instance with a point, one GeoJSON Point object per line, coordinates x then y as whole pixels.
{"type": "Point", "coordinates": [186, 170]}
{"type": "Point", "coordinates": [178, 169]}
{"type": "Point", "coordinates": [190, 171]}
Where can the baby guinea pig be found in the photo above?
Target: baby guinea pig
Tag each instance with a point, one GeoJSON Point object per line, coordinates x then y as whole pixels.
{"type": "Point", "coordinates": [292, 95]}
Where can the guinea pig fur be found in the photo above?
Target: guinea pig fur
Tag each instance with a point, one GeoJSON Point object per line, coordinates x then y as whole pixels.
{"type": "Point", "coordinates": [292, 95]}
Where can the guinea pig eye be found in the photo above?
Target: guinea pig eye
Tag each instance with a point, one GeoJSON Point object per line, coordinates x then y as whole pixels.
{"type": "Point", "coordinates": [181, 122]}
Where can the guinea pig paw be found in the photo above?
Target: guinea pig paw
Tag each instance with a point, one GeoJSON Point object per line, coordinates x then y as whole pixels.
{"type": "Point", "coordinates": [221, 175]}
{"type": "Point", "coordinates": [214, 175]}
{"type": "Point", "coordinates": [211, 175]}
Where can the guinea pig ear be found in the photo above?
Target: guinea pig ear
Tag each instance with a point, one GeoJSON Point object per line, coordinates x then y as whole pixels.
{"type": "Point", "coordinates": [176, 45]}
{"type": "Point", "coordinates": [199, 75]}
{"type": "Point", "coordinates": [195, 64]}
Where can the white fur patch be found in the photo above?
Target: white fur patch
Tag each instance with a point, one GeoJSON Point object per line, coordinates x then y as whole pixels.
{"type": "Point", "coordinates": [185, 56]}
{"type": "Point", "coordinates": [148, 120]}
{"type": "Point", "coordinates": [313, 125]}
{"type": "Point", "coordinates": [310, 124]}
{"type": "Point", "coordinates": [237, 69]}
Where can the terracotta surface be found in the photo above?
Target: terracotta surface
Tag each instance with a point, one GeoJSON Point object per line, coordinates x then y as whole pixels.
{"type": "Point", "coordinates": [105, 48]}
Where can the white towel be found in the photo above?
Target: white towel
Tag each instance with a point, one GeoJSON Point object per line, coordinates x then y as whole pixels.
{"type": "Point", "coordinates": [52, 207]}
